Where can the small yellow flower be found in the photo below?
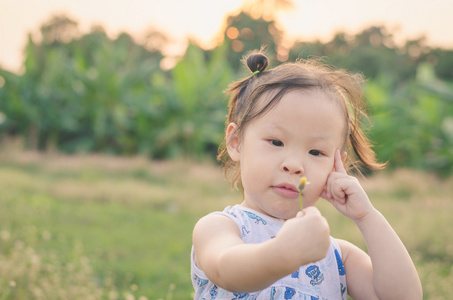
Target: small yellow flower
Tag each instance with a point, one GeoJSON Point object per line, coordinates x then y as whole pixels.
{"type": "Point", "coordinates": [303, 183]}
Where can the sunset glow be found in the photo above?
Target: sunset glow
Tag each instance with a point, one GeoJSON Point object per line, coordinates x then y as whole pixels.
{"type": "Point", "coordinates": [202, 20]}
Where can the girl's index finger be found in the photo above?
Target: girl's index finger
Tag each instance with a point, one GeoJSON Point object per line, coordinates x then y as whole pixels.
{"type": "Point", "coordinates": [339, 167]}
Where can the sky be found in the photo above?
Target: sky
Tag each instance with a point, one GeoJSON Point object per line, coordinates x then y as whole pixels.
{"type": "Point", "coordinates": [202, 19]}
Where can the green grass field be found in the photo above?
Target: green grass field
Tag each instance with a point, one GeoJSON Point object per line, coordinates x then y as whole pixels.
{"type": "Point", "coordinates": [98, 227]}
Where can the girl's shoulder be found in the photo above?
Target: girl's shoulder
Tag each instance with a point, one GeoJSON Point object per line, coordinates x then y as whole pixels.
{"type": "Point", "coordinates": [214, 222]}
{"type": "Point", "coordinates": [245, 214]}
{"type": "Point", "coordinates": [349, 250]}
{"type": "Point", "coordinates": [211, 232]}
{"type": "Point", "coordinates": [251, 226]}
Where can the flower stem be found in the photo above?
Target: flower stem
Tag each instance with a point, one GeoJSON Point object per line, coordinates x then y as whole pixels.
{"type": "Point", "coordinates": [301, 204]}
{"type": "Point", "coordinates": [303, 182]}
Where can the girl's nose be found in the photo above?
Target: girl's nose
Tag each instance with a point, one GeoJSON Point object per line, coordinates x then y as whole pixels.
{"type": "Point", "coordinates": [293, 167]}
{"type": "Point", "coordinates": [292, 170]}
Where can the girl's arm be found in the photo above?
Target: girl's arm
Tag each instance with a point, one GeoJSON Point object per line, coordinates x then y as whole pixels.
{"type": "Point", "coordinates": [238, 267]}
{"type": "Point", "coordinates": [389, 272]}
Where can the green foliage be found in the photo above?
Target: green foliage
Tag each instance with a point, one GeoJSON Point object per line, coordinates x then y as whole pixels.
{"type": "Point", "coordinates": [97, 94]}
{"type": "Point", "coordinates": [80, 95]}
{"type": "Point", "coordinates": [371, 52]}
{"type": "Point", "coordinates": [91, 93]}
{"type": "Point", "coordinates": [413, 124]}
{"type": "Point", "coordinates": [444, 62]}
{"type": "Point", "coordinates": [195, 124]}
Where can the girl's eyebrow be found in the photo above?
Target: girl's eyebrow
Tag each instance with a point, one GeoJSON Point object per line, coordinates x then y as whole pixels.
{"type": "Point", "coordinates": [275, 125]}
{"type": "Point", "coordinates": [325, 139]}
{"type": "Point", "coordinates": [322, 137]}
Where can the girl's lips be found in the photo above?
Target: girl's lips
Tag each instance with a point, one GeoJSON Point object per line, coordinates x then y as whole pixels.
{"type": "Point", "coordinates": [288, 191]}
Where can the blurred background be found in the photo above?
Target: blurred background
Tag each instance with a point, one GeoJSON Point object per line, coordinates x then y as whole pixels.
{"type": "Point", "coordinates": [111, 113]}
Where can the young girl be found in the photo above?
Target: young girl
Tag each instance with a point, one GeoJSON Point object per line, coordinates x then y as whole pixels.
{"type": "Point", "coordinates": [297, 120]}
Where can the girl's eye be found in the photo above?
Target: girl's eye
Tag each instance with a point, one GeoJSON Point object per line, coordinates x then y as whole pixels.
{"type": "Point", "coordinates": [315, 152]}
{"type": "Point", "coordinates": [276, 143]}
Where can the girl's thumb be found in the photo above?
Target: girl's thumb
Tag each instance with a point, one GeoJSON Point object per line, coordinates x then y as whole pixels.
{"type": "Point", "coordinates": [311, 210]}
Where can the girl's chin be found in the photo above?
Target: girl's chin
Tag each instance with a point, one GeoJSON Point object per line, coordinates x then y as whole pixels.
{"type": "Point", "coordinates": [285, 215]}
{"type": "Point", "coordinates": [283, 210]}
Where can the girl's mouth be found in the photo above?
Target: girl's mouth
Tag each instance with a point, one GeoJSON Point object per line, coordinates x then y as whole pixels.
{"type": "Point", "coordinates": [286, 190]}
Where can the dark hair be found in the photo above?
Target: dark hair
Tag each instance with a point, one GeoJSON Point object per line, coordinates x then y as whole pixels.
{"type": "Point", "coordinates": [342, 86]}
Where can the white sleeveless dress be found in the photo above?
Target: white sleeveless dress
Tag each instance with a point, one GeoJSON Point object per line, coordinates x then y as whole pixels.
{"type": "Point", "coordinates": [324, 279]}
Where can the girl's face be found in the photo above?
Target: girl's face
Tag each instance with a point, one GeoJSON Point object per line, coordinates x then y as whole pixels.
{"type": "Point", "coordinates": [296, 138]}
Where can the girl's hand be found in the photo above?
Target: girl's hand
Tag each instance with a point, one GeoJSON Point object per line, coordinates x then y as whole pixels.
{"type": "Point", "coordinates": [303, 239]}
{"type": "Point", "coordinates": [345, 193]}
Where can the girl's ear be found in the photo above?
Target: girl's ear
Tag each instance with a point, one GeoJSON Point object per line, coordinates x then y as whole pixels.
{"type": "Point", "coordinates": [233, 142]}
